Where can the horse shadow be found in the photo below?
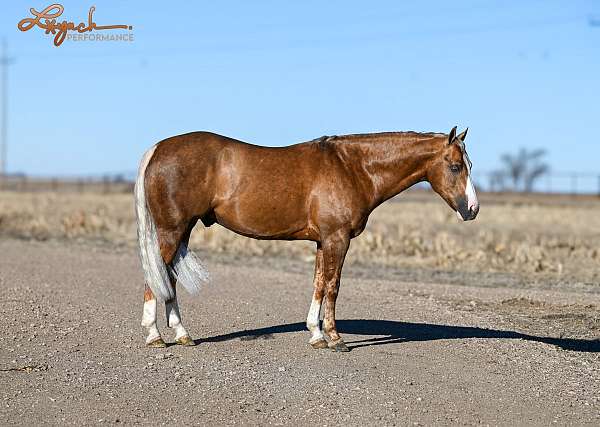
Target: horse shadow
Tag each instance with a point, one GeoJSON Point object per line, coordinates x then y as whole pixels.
{"type": "Point", "coordinates": [386, 332]}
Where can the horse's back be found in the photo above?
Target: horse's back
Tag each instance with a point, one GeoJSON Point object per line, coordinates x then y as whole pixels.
{"type": "Point", "coordinates": [198, 153]}
{"type": "Point", "coordinates": [263, 192]}
{"type": "Point", "coordinates": [207, 146]}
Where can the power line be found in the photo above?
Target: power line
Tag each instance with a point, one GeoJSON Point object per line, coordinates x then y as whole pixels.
{"type": "Point", "coordinates": [5, 61]}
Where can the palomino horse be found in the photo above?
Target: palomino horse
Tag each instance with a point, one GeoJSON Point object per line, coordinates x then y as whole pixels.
{"type": "Point", "coordinates": [322, 190]}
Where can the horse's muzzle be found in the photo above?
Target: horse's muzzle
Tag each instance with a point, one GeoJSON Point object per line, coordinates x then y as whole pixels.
{"type": "Point", "coordinates": [465, 212]}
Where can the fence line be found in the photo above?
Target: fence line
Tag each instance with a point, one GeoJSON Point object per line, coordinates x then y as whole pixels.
{"type": "Point", "coordinates": [557, 182]}
{"type": "Point", "coordinates": [554, 182]}
{"type": "Point", "coordinates": [105, 185]}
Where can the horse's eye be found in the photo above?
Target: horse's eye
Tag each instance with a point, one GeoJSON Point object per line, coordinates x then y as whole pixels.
{"type": "Point", "coordinates": [455, 168]}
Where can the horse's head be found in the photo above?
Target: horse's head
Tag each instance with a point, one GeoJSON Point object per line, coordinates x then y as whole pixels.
{"type": "Point", "coordinates": [450, 176]}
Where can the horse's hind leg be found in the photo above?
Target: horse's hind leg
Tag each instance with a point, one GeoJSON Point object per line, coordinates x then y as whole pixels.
{"type": "Point", "coordinates": [177, 240]}
{"type": "Point", "coordinates": [317, 339]}
{"type": "Point", "coordinates": [168, 242]}
{"type": "Point", "coordinates": [174, 321]}
{"type": "Point", "coordinates": [149, 320]}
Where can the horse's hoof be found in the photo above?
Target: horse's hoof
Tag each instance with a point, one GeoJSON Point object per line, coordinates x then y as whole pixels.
{"type": "Point", "coordinates": [185, 340]}
{"type": "Point", "coordinates": [157, 343]}
{"type": "Point", "coordinates": [338, 345]}
{"type": "Point", "coordinates": [321, 343]}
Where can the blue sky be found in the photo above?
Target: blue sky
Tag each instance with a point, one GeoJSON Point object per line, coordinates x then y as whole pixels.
{"type": "Point", "coordinates": [517, 73]}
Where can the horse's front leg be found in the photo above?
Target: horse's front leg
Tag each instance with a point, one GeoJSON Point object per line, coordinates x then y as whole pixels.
{"type": "Point", "coordinates": [317, 339]}
{"type": "Point", "coordinates": [334, 252]}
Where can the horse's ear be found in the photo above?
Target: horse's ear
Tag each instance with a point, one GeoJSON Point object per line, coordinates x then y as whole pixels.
{"type": "Point", "coordinates": [452, 135]}
{"type": "Point", "coordinates": [463, 135]}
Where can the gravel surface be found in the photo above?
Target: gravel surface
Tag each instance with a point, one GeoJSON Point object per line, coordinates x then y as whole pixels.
{"type": "Point", "coordinates": [427, 348]}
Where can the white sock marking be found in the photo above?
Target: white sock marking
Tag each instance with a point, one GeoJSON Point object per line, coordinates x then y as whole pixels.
{"type": "Point", "coordinates": [149, 320]}
{"type": "Point", "coordinates": [174, 319]}
{"type": "Point", "coordinates": [312, 321]}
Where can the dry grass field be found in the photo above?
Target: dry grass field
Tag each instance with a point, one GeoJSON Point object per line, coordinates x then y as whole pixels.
{"type": "Point", "coordinates": [540, 236]}
{"type": "Point", "coordinates": [493, 322]}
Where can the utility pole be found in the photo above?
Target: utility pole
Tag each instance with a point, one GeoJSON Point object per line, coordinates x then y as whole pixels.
{"type": "Point", "coordinates": [5, 61]}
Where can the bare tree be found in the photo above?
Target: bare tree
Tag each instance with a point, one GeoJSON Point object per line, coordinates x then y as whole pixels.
{"type": "Point", "coordinates": [522, 169]}
{"type": "Point", "coordinates": [497, 181]}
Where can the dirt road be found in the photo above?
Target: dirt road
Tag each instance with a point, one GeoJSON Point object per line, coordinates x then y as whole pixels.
{"type": "Point", "coordinates": [442, 349]}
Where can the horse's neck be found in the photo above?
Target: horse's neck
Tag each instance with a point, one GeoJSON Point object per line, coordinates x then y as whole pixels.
{"type": "Point", "coordinates": [391, 164]}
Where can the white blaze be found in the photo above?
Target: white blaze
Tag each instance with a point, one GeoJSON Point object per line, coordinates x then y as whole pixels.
{"type": "Point", "coordinates": [470, 194]}
{"type": "Point", "coordinates": [472, 201]}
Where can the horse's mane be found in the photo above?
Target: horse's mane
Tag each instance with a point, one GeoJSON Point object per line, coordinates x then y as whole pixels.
{"type": "Point", "coordinates": [324, 140]}
{"type": "Point", "coordinates": [363, 137]}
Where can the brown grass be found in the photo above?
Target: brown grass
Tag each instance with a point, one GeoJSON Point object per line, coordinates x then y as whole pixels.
{"type": "Point", "coordinates": [554, 236]}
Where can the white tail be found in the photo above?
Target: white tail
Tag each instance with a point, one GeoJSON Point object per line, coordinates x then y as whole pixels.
{"type": "Point", "coordinates": [187, 268]}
